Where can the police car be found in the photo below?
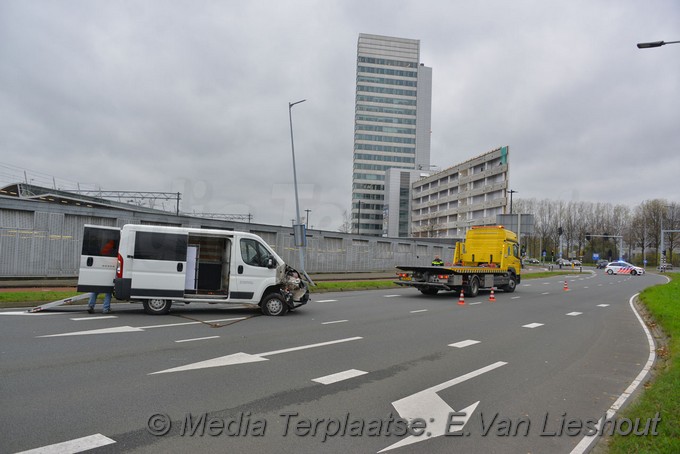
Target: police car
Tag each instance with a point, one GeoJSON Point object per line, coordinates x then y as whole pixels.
{"type": "Point", "coordinates": [621, 267]}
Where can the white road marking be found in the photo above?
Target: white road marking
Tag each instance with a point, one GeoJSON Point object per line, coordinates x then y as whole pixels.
{"type": "Point", "coordinates": [545, 293]}
{"type": "Point", "coordinates": [130, 329]}
{"type": "Point", "coordinates": [515, 297]}
{"type": "Point", "coordinates": [114, 330]}
{"type": "Point", "coordinates": [326, 301]}
{"type": "Point", "coordinates": [335, 321]}
{"type": "Point", "coordinates": [390, 296]}
{"type": "Point", "coordinates": [73, 446]}
{"type": "Point", "coordinates": [241, 358]}
{"type": "Point", "coordinates": [465, 343]}
{"type": "Point", "coordinates": [603, 305]}
{"type": "Point", "coordinates": [586, 441]}
{"type": "Point", "coordinates": [573, 314]}
{"type": "Point", "coordinates": [476, 302]}
{"type": "Point", "coordinates": [102, 317]}
{"type": "Point", "coordinates": [419, 310]}
{"type": "Point", "coordinates": [532, 325]}
{"type": "Point", "coordinates": [196, 339]}
{"type": "Point", "coordinates": [585, 286]}
{"type": "Point", "coordinates": [429, 406]}
{"type": "Point", "coordinates": [31, 313]}
{"type": "Point", "coordinates": [340, 376]}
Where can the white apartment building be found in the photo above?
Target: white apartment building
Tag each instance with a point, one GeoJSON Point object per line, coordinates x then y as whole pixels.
{"type": "Point", "coordinates": [392, 122]}
{"type": "Point", "coordinates": [446, 204]}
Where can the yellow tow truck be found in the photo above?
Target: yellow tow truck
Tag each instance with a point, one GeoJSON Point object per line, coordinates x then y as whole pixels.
{"type": "Point", "coordinates": [488, 258]}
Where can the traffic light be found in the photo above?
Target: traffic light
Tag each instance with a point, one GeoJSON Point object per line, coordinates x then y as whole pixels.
{"type": "Point", "coordinates": [587, 236]}
{"type": "Point", "coordinates": [560, 231]}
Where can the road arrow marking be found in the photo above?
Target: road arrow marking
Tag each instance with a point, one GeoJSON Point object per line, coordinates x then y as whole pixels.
{"type": "Point", "coordinates": [427, 405]}
{"type": "Point", "coordinates": [340, 376]}
{"type": "Point", "coordinates": [242, 358]}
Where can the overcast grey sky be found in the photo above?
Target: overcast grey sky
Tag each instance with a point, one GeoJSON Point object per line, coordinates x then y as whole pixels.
{"type": "Point", "coordinates": [192, 96]}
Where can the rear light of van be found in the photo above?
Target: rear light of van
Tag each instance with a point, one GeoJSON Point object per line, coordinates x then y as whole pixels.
{"type": "Point", "coordinates": [119, 267]}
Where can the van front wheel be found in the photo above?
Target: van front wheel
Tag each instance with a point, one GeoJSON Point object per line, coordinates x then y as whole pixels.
{"type": "Point", "coordinates": [157, 306]}
{"type": "Point", "coordinates": [274, 304]}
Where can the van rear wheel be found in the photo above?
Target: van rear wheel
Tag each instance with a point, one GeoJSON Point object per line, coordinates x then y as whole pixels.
{"type": "Point", "coordinates": [157, 306]}
{"type": "Point", "coordinates": [274, 304]}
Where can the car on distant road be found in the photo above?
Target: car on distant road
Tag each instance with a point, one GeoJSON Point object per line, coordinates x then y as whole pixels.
{"type": "Point", "coordinates": [532, 261]}
{"type": "Point", "coordinates": [602, 264]}
{"type": "Point", "coordinates": [622, 267]}
{"type": "Point", "coordinates": [665, 267]}
{"type": "Point", "coordinates": [563, 262]}
{"type": "Point", "coordinates": [576, 262]}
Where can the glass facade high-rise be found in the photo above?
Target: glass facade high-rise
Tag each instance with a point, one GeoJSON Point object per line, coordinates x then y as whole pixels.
{"type": "Point", "coordinates": [392, 122]}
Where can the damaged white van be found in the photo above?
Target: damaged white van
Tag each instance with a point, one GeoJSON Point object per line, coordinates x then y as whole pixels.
{"type": "Point", "coordinates": [159, 266]}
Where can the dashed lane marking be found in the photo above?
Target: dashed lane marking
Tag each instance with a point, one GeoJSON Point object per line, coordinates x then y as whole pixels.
{"type": "Point", "coordinates": [340, 376]}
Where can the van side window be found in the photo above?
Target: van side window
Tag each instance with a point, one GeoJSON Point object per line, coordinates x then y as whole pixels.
{"type": "Point", "coordinates": [100, 242]}
{"type": "Point", "coordinates": [253, 252]}
{"type": "Point", "coordinates": [161, 246]}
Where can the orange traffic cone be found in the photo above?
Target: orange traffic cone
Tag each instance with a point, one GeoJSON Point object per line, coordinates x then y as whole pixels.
{"type": "Point", "coordinates": [461, 299]}
{"type": "Point", "coordinates": [566, 287]}
{"type": "Point", "coordinates": [492, 297]}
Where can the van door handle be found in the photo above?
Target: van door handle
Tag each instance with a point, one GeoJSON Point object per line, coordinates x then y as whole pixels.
{"type": "Point", "coordinates": [180, 267]}
{"type": "Point", "coordinates": [240, 269]}
{"type": "Point", "coordinates": [90, 261]}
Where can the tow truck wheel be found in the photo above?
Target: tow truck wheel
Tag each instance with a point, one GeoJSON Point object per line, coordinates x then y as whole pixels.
{"type": "Point", "coordinates": [429, 291]}
{"type": "Point", "coordinates": [274, 304]}
{"type": "Point", "coordinates": [472, 289]}
{"type": "Point", "coordinates": [157, 306]}
{"type": "Point", "coordinates": [511, 285]}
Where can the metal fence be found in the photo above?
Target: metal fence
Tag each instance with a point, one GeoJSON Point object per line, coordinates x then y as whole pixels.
{"type": "Point", "coordinates": [40, 239]}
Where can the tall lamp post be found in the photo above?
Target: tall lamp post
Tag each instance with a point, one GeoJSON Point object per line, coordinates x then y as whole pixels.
{"type": "Point", "coordinates": [511, 192]}
{"type": "Point", "coordinates": [655, 44]}
{"type": "Point", "coordinates": [297, 234]}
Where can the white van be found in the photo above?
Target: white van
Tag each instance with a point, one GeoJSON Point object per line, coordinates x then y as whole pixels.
{"type": "Point", "coordinates": [158, 265]}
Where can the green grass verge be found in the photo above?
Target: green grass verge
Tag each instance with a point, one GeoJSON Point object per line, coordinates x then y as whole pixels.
{"type": "Point", "coordinates": [663, 396]}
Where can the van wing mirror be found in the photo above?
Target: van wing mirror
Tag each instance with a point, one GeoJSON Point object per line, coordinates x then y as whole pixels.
{"type": "Point", "coordinates": [271, 263]}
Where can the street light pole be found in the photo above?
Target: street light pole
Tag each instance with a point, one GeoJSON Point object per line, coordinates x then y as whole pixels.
{"type": "Point", "coordinates": [655, 44]}
{"type": "Point", "coordinates": [511, 192]}
{"type": "Point", "coordinates": [297, 203]}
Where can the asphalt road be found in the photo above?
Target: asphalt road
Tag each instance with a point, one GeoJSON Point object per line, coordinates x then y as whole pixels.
{"type": "Point", "coordinates": [341, 374]}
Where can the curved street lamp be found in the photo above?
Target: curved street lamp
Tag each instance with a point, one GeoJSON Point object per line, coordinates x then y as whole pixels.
{"type": "Point", "coordinates": [655, 44]}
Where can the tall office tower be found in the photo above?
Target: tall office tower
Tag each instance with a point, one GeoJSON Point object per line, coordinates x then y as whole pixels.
{"type": "Point", "coordinates": [391, 122]}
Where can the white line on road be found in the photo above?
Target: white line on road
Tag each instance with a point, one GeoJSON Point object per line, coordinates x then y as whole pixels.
{"type": "Point", "coordinates": [31, 313]}
{"type": "Point", "coordinates": [476, 302]}
{"type": "Point", "coordinates": [130, 329]}
{"type": "Point", "coordinates": [390, 296]}
{"type": "Point", "coordinates": [241, 358]}
{"type": "Point", "coordinates": [603, 305]}
{"type": "Point", "coordinates": [326, 301]}
{"type": "Point", "coordinates": [340, 376]}
{"type": "Point", "coordinates": [335, 321]}
{"type": "Point", "coordinates": [545, 293]}
{"type": "Point", "coordinates": [573, 314]}
{"type": "Point", "coordinates": [419, 310]}
{"type": "Point", "coordinates": [102, 317]}
{"type": "Point", "coordinates": [532, 325]}
{"type": "Point", "coordinates": [465, 343]}
{"type": "Point", "coordinates": [197, 339]}
{"type": "Point", "coordinates": [515, 297]}
{"type": "Point", "coordinates": [73, 446]}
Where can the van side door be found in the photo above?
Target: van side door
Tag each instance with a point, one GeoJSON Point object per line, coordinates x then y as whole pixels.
{"type": "Point", "coordinates": [98, 259]}
{"type": "Point", "coordinates": [158, 265]}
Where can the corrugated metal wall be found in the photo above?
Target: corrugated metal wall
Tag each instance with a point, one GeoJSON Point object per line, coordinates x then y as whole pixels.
{"type": "Point", "coordinates": [45, 241]}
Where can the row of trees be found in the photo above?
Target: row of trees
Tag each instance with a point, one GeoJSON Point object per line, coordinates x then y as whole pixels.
{"type": "Point", "coordinates": [601, 228]}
